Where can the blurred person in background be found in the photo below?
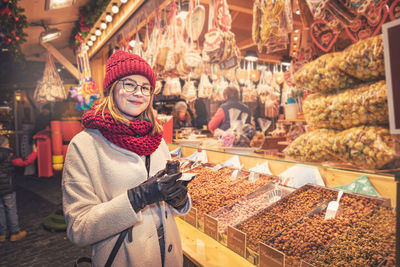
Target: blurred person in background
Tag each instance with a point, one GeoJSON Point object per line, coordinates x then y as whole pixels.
{"type": "Point", "coordinates": [221, 118]}
{"type": "Point", "coordinates": [9, 223]}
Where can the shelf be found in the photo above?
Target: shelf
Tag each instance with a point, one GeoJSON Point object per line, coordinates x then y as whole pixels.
{"type": "Point", "coordinates": [206, 251]}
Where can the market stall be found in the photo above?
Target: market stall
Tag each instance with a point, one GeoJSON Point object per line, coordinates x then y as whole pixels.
{"type": "Point", "coordinates": [312, 74]}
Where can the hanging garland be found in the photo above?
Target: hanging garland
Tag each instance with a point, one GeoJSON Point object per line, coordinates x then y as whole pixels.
{"type": "Point", "coordinates": [12, 23]}
{"type": "Point", "coordinates": [88, 15]}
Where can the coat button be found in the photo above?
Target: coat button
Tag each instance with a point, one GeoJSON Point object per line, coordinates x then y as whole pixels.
{"type": "Point", "coordinates": [166, 215]}
{"type": "Point", "coordinates": [169, 248]}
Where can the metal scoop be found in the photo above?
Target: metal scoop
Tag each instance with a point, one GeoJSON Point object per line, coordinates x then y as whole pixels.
{"type": "Point", "coordinates": [333, 207]}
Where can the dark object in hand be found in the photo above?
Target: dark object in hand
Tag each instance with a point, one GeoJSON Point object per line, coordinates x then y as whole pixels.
{"type": "Point", "coordinates": [172, 167]}
{"type": "Point", "coordinates": [160, 187]}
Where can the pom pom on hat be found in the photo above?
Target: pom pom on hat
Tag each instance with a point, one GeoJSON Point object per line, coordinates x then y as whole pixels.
{"type": "Point", "coordinates": [122, 64]}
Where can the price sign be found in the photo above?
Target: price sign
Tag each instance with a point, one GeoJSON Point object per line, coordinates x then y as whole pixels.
{"type": "Point", "coordinates": [270, 257]}
{"type": "Point", "coordinates": [391, 42]}
{"type": "Point", "coordinates": [211, 226]}
{"type": "Point", "coordinates": [191, 217]}
{"type": "Point", "coordinates": [237, 241]}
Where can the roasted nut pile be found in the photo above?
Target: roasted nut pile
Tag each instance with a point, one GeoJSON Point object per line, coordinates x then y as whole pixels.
{"type": "Point", "coordinates": [323, 75]}
{"type": "Point", "coordinates": [211, 190]}
{"type": "Point", "coordinates": [367, 104]}
{"type": "Point", "coordinates": [277, 217]}
{"type": "Point", "coordinates": [369, 147]}
{"type": "Point", "coordinates": [307, 237]}
{"type": "Point", "coordinates": [311, 146]}
{"type": "Point", "coordinates": [367, 243]}
{"type": "Point", "coordinates": [364, 59]}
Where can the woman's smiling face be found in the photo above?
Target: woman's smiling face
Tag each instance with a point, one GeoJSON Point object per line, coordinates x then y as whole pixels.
{"type": "Point", "coordinates": [132, 95]}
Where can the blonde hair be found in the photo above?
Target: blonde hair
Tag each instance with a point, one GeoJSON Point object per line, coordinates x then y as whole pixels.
{"type": "Point", "coordinates": [109, 103]}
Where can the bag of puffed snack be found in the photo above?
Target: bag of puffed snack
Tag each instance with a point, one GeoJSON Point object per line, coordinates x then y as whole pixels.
{"type": "Point", "coordinates": [364, 59]}
{"type": "Point", "coordinates": [324, 75]}
{"type": "Point", "coordinates": [366, 104]}
{"type": "Point", "coordinates": [312, 146]}
{"type": "Point", "coordinates": [367, 147]}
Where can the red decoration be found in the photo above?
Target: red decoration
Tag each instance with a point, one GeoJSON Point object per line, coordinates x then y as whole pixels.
{"type": "Point", "coordinates": [77, 36]}
{"type": "Point", "coordinates": [16, 18]}
{"type": "Point", "coordinates": [5, 10]}
{"type": "Point", "coordinates": [17, 38]}
{"type": "Point", "coordinates": [370, 25]}
{"type": "Point", "coordinates": [322, 35]}
{"type": "Point", "coordinates": [9, 40]}
{"type": "Point", "coordinates": [394, 12]}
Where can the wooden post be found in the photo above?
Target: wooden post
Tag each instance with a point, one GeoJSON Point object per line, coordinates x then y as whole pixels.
{"type": "Point", "coordinates": [60, 58]}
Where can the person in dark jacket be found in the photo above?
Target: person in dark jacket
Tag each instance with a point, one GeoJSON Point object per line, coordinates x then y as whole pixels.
{"type": "Point", "coordinates": [8, 205]}
{"type": "Point", "coordinates": [181, 116]}
{"type": "Point", "coordinates": [221, 117]}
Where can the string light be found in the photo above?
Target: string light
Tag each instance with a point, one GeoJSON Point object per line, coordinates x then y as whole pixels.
{"type": "Point", "coordinates": [98, 32]}
{"type": "Point", "coordinates": [90, 43]}
{"type": "Point", "coordinates": [109, 17]}
{"type": "Point", "coordinates": [123, 1]}
{"type": "Point", "coordinates": [93, 37]}
{"type": "Point", "coordinates": [115, 8]}
{"type": "Point", "coordinates": [103, 25]}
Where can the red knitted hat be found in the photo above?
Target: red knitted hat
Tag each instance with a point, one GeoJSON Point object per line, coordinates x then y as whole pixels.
{"type": "Point", "coordinates": [122, 64]}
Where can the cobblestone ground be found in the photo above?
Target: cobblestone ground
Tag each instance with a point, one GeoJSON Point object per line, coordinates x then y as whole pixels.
{"type": "Point", "coordinates": [36, 199]}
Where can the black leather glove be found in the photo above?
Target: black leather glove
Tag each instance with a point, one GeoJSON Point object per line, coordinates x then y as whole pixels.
{"type": "Point", "coordinates": [178, 200]}
{"type": "Point", "coordinates": [158, 188]}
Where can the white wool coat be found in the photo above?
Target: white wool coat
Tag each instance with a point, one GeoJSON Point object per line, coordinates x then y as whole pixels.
{"type": "Point", "coordinates": [96, 177]}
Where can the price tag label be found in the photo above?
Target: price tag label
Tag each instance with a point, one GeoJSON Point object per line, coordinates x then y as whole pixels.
{"type": "Point", "coordinates": [211, 226]}
{"type": "Point", "coordinates": [270, 257]}
{"type": "Point", "coordinates": [234, 175]}
{"type": "Point", "coordinates": [237, 241]}
{"type": "Point", "coordinates": [253, 177]}
{"type": "Point", "coordinates": [191, 217]}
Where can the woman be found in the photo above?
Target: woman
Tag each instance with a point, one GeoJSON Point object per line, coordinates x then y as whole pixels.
{"type": "Point", "coordinates": [181, 115]}
{"type": "Point", "coordinates": [221, 118]}
{"type": "Point", "coordinates": [106, 188]}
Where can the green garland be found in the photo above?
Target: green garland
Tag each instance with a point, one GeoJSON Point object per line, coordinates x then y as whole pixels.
{"type": "Point", "coordinates": [88, 15]}
{"type": "Point", "coordinates": [12, 23]}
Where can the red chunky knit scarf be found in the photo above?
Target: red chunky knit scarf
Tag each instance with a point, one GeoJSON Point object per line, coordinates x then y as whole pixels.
{"type": "Point", "coordinates": [136, 137]}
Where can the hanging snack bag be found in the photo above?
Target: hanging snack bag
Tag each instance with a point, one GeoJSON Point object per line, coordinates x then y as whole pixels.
{"type": "Point", "coordinates": [205, 86]}
{"type": "Point", "coordinates": [323, 74]}
{"type": "Point", "coordinates": [364, 59]}
{"type": "Point", "coordinates": [366, 104]}
{"type": "Point", "coordinates": [189, 91]}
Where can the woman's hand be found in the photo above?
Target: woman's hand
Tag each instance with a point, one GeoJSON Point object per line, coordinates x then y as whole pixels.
{"type": "Point", "coordinates": [160, 187]}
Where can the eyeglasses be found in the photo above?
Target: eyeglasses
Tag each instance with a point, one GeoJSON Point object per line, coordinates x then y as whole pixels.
{"type": "Point", "coordinates": [130, 86]}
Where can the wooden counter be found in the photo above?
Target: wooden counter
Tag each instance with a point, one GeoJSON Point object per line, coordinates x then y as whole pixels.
{"type": "Point", "coordinates": [206, 251]}
{"type": "Point", "coordinates": [384, 183]}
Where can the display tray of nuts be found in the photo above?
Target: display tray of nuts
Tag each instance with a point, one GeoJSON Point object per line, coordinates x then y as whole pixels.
{"type": "Point", "coordinates": [311, 234]}
{"type": "Point", "coordinates": [247, 206]}
{"type": "Point", "coordinates": [214, 189]}
{"type": "Point", "coordinates": [367, 243]}
{"type": "Point", "coordinates": [275, 218]}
